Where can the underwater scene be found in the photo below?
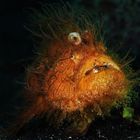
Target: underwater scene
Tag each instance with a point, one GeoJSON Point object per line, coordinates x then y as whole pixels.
{"type": "Point", "coordinates": [70, 70]}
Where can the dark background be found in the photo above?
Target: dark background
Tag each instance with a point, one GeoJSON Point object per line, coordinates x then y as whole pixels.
{"type": "Point", "coordinates": [121, 24]}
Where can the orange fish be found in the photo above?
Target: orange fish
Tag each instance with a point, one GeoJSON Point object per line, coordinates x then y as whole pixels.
{"type": "Point", "coordinates": [73, 79]}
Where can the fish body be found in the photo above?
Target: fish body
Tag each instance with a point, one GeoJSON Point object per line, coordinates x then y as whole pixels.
{"type": "Point", "coordinates": [73, 80]}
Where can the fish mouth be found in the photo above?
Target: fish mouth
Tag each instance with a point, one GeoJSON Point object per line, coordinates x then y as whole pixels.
{"type": "Point", "coordinates": [105, 66]}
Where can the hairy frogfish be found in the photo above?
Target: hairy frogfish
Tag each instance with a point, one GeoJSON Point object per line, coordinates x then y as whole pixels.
{"type": "Point", "coordinates": [73, 78]}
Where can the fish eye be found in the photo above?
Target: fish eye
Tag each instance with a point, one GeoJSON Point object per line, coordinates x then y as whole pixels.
{"type": "Point", "coordinates": [75, 38]}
